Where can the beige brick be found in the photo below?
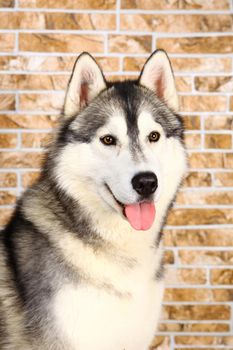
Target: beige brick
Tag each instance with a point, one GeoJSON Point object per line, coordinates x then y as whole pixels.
{"type": "Point", "coordinates": [221, 276]}
{"type": "Point", "coordinates": [57, 20]}
{"type": "Point", "coordinates": [36, 140]}
{"type": "Point", "coordinates": [197, 179]}
{"type": "Point", "coordinates": [10, 62]}
{"type": "Point", "coordinates": [228, 160]}
{"type": "Point", "coordinates": [70, 4]}
{"type": "Point", "coordinates": [199, 237]}
{"type": "Point", "coordinates": [133, 63]}
{"type": "Point", "coordinates": [37, 63]}
{"type": "Point", "coordinates": [206, 45]}
{"type": "Point", "coordinates": [108, 64]}
{"type": "Point", "coordinates": [34, 82]}
{"type": "Point", "coordinates": [208, 327]}
{"type": "Point", "coordinates": [20, 159]}
{"type": "Point", "coordinates": [222, 294]}
{"type": "Point", "coordinates": [8, 20]}
{"type": "Point", "coordinates": [175, 5]}
{"type": "Point", "coordinates": [8, 179]}
{"type": "Point", "coordinates": [205, 257]}
{"type": "Point", "coordinates": [7, 197]}
{"type": "Point", "coordinates": [174, 23]}
{"type": "Point", "coordinates": [184, 276]}
{"type": "Point", "coordinates": [223, 179]}
{"type": "Point", "coordinates": [231, 103]}
{"type": "Point", "coordinates": [15, 121]}
{"type": "Point", "coordinates": [200, 216]}
{"type": "Point", "coordinates": [169, 257]}
{"type": "Point", "coordinates": [203, 103]}
{"type": "Point", "coordinates": [7, 102]}
{"type": "Point", "coordinates": [228, 340]}
{"type": "Point", "coordinates": [8, 140]}
{"type": "Point", "coordinates": [48, 102]}
{"type": "Point", "coordinates": [184, 84]}
{"type": "Point", "coordinates": [194, 327]}
{"type": "Point", "coordinates": [7, 42]}
{"type": "Point", "coordinates": [216, 122]}
{"type": "Point", "coordinates": [187, 294]}
{"type": "Point", "coordinates": [218, 141]}
{"type": "Point", "coordinates": [197, 312]}
{"type": "Point", "coordinates": [192, 141]}
{"type": "Point", "coordinates": [207, 160]}
{"type": "Point", "coordinates": [205, 197]}
{"type": "Point", "coordinates": [40, 82]}
{"type": "Point", "coordinates": [198, 295]}
{"type": "Point", "coordinates": [170, 327]}
{"type": "Point", "coordinates": [7, 3]}
{"type": "Point", "coordinates": [29, 178]}
{"type": "Point", "coordinates": [203, 340]}
{"type": "Point", "coordinates": [5, 214]}
{"type": "Point", "coordinates": [74, 21]}
{"type": "Point", "coordinates": [130, 43]}
{"type": "Point", "coordinates": [192, 122]}
{"type": "Point", "coordinates": [214, 84]}
{"type": "Point", "coordinates": [207, 64]}
{"type": "Point", "coordinates": [201, 65]}
{"type": "Point", "coordinates": [60, 43]}
{"type": "Point", "coordinates": [160, 343]}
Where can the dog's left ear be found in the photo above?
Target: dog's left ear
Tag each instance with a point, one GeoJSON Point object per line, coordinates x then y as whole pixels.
{"type": "Point", "coordinates": [157, 75]}
{"type": "Point", "coordinates": [86, 82]}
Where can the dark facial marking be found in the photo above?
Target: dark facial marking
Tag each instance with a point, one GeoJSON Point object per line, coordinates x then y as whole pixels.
{"type": "Point", "coordinates": [128, 96]}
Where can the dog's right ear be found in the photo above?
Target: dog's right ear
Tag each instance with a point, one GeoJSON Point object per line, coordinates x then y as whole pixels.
{"type": "Point", "coordinates": [86, 82]}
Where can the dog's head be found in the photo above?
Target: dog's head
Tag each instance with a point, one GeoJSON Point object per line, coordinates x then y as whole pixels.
{"type": "Point", "coordinates": [120, 146]}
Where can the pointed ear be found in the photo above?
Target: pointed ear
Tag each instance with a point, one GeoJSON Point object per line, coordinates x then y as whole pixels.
{"type": "Point", "coordinates": [157, 75]}
{"type": "Point", "coordinates": [86, 82]}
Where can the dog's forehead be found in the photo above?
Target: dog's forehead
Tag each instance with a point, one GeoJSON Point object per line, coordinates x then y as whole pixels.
{"type": "Point", "coordinates": [133, 106]}
{"type": "Point", "coordinates": [127, 99]}
{"type": "Point", "coordinates": [130, 103]}
{"type": "Point", "coordinates": [135, 101]}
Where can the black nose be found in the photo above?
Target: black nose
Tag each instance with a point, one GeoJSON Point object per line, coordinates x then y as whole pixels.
{"type": "Point", "coordinates": [145, 183]}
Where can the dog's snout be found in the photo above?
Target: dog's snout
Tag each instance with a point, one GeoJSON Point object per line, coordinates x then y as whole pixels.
{"type": "Point", "coordinates": [145, 183]}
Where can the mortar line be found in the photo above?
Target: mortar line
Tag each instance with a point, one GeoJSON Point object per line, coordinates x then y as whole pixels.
{"type": "Point", "coordinates": [167, 35]}
{"type": "Point", "coordinates": [118, 18]}
{"type": "Point", "coordinates": [123, 11]}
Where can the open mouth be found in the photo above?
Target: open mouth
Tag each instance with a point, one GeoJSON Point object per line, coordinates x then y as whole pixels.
{"type": "Point", "coordinates": [121, 205]}
{"type": "Point", "coordinates": [140, 215]}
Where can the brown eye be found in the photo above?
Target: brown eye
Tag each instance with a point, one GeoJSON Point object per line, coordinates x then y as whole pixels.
{"type": "Point", "coordinates": [154, 136]}
{"type": "Point", "coordinates": [108, 140]}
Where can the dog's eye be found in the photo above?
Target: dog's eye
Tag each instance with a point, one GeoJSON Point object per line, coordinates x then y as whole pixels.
{"type": "Point", "coordinates": [108, 140]}
{"type": "Point", "coordinates": [154, 136]}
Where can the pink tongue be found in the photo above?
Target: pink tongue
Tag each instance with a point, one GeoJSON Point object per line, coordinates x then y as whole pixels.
{"type": "Point", "coordinates": [140, 215]}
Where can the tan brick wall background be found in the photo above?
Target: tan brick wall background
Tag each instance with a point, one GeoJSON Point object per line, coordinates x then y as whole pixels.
{"type": "Point", "coordinates": [39, 41]}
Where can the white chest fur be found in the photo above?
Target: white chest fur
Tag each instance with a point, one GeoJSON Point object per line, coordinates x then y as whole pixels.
{"type": "Point", "coordinates": [91, 319]}
{"type": "Point", "coordinates": [116, 307]}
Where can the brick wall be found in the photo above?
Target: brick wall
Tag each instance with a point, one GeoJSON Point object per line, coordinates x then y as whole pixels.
{"type": "Point", "coordinates": [39, 40]}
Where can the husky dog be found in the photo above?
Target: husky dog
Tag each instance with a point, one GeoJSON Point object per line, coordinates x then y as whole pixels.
{"type": "Point", "coordinates": [81, 259]}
